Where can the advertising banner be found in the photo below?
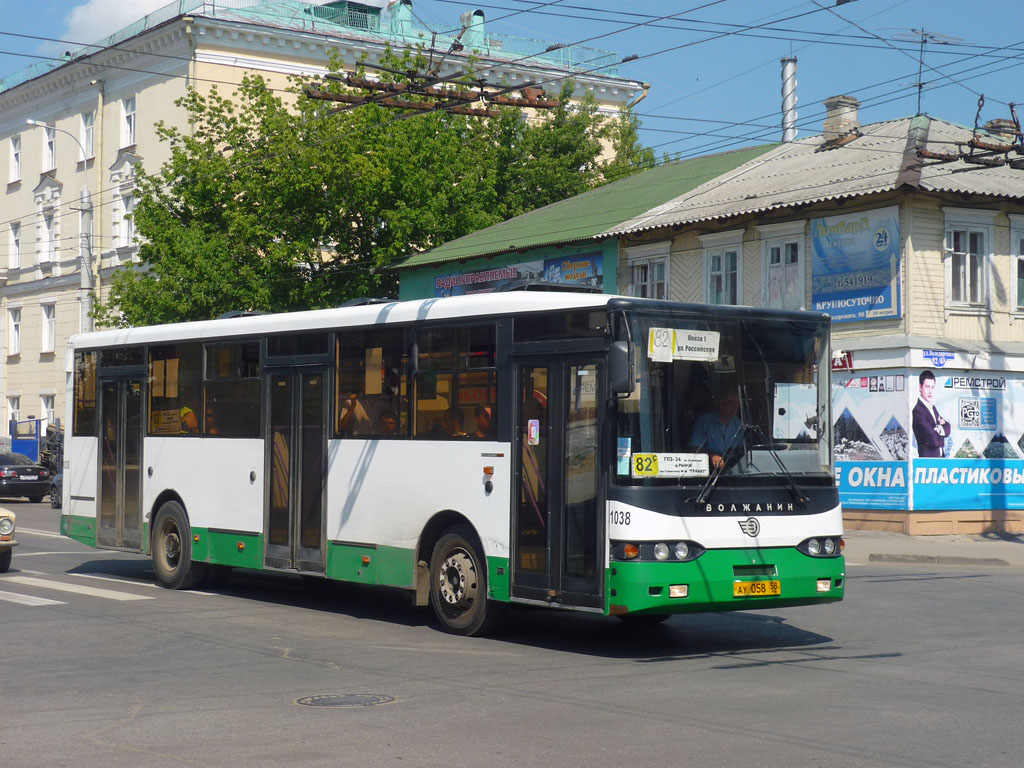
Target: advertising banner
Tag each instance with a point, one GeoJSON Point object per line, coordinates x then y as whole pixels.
{"type": "Point", "coordinates": [581, 269]}
{"type": "Point", "coordinates": [855, 267]}
{"type": "Point", "coordinates": [870, 439]}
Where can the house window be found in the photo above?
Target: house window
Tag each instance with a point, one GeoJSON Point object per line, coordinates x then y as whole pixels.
{"type": "Point", "coordinates": [49, 148]}
{"type": "Point", "coordinates": [968, 257]}
{"type": "Point", "coordinates": [1017, 261]}
{"type": "Point", "coordinates": [14, 257]}
{"type": "Point", "coordinates": [783, 262]}
{"type": "Point", "coordinates": [49, 329]}
{"type": "Point", "coordinates": [48, 409]}
{"type": "Point", "coordinates": [15, 169]}
{"type": "Point", "coordinates": [87, 134]}
{"type": "Point", "coordinates": [722, 267]}
{"type": "Point", "coordinates": [128, 121]}
{"type": "Point", "coordinates": [14, 331]}
{"type": "Point", "coordinates": [648, 270]}
{"type": "Point", "coordinates": [47, 240]}
{"type": "Point", "coordinates": [127, 233]}
{"type": "Point", "coordinates": [13, 408]}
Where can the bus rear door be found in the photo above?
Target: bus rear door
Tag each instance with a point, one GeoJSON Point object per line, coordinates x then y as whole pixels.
{"type": "Point", "coordinates": [120, 462]}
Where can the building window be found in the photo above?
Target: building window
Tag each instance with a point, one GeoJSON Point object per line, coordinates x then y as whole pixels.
{"type": "Point", "coordinates": [15, 169]}
{"type": "Point", "coordinates": [127, 229]}
{"type": "Point", "coordinates": [648, 270]}
{"type": "Point", "coordinates": [14, 331]}
{"type": "Point", "coordinates": [49, 148]}
{"type": "Point", "coordinates": [48, 409]}
{"type": "Point", "coordinates": [1016, 264]}
{"type": "Point", "coordinates": [968, 257]}
{"type": "Point", "coordinates": [14, 257]}
{"type": "Point", "coordinates": [13, 408]}
{"type": "Point", "coordinates": [128, 121]}
{"type": "Point", "coordinates": [47, 239]}
{"type": "Point", "coordinates": [783, 265]}
{"type": "Point", "coordinates": [87, 134]}
{"type": "Point", "coordinates": [723, 267]}
{"type": "Point", "coordinates": [49, 329]}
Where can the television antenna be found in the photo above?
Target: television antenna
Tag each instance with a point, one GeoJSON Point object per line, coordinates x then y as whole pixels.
{"type": "Point", "coordinates": [922, 37]}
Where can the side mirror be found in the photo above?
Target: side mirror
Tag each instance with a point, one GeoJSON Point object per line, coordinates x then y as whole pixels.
{"type": "Point", "coordinates": [620, 368]}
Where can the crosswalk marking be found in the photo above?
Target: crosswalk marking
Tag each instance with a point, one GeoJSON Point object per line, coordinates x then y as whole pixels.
{"type": "Point", "coordinates": [36, 554]}
{"type": "Point", "coordinates": [31, 600]}
{"type": "Point", "coordinates": [117, 581]}
{"type": "Point", "coordinates": [108, 594]}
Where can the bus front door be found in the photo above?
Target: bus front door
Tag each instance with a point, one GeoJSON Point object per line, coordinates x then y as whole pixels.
{"type": "Point", "coordinates": [120, 486]}
{"type": "Point", "coordinates": [296, 462]}
{"type": "Point", "coordinates": [558, 530]}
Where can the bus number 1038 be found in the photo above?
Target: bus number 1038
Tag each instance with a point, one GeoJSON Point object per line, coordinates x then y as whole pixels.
{"type": "Point", "coordinates": [618, 517]}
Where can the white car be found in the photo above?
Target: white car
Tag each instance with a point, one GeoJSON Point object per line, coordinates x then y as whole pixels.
{"type": "Point", "coordinates": [7, 542]}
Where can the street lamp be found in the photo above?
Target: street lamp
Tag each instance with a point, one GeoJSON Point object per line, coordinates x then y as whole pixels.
{"type": "Point", "coordinates": [85, 251]}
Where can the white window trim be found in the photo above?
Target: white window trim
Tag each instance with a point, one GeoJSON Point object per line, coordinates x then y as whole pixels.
{"type": "Point", "coordinates": [720, 242]}
{"type": "Point", "coordinates": [1016, 254]}
{"type": "Point", "coordinates": [51, 331]}
{"type": "Point", "coordinates": [15, 156]}
{"type": "Point", "coordinates": [87, 134]}
{"type": "Point", "coordinates": [778, 235]}
{"type": "Point", "coordinates": [49, 242]}
{"type": "Point", "coordinates": [649, 254]}
{"type": "Point", "coordinates": [13, 407]}
{"type": "Point", "coordinates": [129, 130]}
{"type": "Point", "coordinates": [972, 219]}
{"type": "Point", "coordinates": [14, 339]}
{"type": "Point", "coordinates": [49, 149]}
{"type": "Point", "coordinates": [45, 411]}
{"type": "Point", "coordinates": [16, 239]}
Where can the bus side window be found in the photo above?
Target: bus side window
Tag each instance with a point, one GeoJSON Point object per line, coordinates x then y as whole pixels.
{"type": "Point", "coordinates": [85, 395]}
{"type": "Point", "coordinates": [175, 392]}
{"type": "Point", "coordinates": [231, 390]}
{"type": "Point", "coordinates": [456, 383]}
{"type": "Point", "coordinates": [371, 381]}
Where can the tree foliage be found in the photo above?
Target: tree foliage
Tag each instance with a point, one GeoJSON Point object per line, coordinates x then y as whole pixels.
{"type": "Point", "coordinates": [280, 203]}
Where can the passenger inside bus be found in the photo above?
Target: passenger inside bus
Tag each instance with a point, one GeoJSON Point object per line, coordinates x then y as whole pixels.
{"type": "Point", "coordinates": [484, 422]}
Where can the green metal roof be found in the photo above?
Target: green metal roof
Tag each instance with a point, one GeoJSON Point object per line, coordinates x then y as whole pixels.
{"type": "Point", "coordinates": [588, 215]}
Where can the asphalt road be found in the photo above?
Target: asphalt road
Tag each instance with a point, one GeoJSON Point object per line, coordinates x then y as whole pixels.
{"type": "Point", "coordinates": [920, 666]}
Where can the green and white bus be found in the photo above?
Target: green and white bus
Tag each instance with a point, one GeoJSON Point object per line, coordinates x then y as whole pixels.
{"type": "Point", "coordinates": [533, 447]}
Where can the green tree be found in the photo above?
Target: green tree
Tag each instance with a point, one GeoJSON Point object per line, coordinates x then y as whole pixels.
{"type": "Point", "coordinates": [277, 204]}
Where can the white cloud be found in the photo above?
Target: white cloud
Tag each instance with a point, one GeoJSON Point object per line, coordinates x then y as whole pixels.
{"type": "Point", "coordinates": [94, 20]}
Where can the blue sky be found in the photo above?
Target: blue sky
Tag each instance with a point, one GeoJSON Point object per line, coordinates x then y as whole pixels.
{"type": "Point", "coordinates": [706, 94]}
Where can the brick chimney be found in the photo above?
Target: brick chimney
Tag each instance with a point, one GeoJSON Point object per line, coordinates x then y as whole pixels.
{"type": "Point", "coordinates": [840, 117]}
{"type": "Point", "coordinates": [1002, 128]}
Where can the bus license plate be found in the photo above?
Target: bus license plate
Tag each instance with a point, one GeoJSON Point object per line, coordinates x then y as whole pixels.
{"type": "Point", "coordinates": [756, 588]}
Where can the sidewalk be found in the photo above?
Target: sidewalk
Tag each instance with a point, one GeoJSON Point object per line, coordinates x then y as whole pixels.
{"type": "Point", "coordinates": [966, 549]}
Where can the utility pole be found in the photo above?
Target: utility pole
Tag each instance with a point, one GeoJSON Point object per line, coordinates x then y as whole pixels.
{"type": "Point", "coordinates": [84, 235]}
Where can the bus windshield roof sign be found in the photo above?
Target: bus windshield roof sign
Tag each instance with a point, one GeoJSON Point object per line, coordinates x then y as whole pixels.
{"type": "Point", "coordinates": [667, 344]}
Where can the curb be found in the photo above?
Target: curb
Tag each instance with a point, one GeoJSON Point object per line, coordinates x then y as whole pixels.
{"type": "Point", "coordinates": [936, 560]}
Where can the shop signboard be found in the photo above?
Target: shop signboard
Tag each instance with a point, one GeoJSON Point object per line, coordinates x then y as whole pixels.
{"type": "Point", "coordinates": [572, 269]}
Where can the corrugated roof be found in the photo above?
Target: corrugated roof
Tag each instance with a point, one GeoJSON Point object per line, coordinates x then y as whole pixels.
{"type": "Point", "coordinates": [589, 215]}
{"type": "Point", "coordinates": [882, 159]}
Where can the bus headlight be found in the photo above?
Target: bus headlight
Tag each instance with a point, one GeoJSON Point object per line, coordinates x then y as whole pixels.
{"type": "Point", "coordinates": [822, 546]}
{"type": "Point", "coordinates": [661, 551]}
{"type": "Point", "coordinates": [682, 550]}
{"type": "Point", "coordinates": [830, 546]}
{"type": "Point", "coordinates": [814, 547]}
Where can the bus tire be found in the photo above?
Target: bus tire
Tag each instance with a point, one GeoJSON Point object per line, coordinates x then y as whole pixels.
{"type": "Point", "coordinates": [458, 584]}
{"type": "Point", "coordinates": [5, 559]}
{"type": "Point", "coordinates": [172, 549]}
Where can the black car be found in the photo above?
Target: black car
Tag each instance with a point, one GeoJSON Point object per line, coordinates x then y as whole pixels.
{"type": "Point", "coordinates": [56, 490]}
{"type": "Point", "coordinates": [19, 476]}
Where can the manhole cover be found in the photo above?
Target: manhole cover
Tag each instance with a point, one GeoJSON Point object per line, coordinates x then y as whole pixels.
{"type": "Point", "coordinates": [345, 700]}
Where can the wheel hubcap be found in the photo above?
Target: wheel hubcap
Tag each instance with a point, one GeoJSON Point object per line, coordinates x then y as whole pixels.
{"type": "Point", "coordinates": [172, 548]}
{"type": "Point", "coordinates": [458, 580]}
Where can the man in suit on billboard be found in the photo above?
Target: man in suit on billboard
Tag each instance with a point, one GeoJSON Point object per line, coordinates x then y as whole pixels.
{"type": "Point", "coordinates": [930, 429]}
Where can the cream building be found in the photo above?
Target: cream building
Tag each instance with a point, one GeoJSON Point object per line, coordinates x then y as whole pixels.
{"type": "Point", "coordinates": [95, 115]}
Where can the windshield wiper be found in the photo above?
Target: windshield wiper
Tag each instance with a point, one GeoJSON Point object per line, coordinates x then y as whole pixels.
{"type": "Point", "coordinates": [791, 483]}
{"type": "Point", "coordinates": [716, 472]}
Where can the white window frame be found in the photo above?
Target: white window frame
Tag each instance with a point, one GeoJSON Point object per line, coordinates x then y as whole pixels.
{"type": "Point", "coordinates": [780, 236]}
{"type": "Point", "coordinates": [14, 331]}
{"type": "Point", "coordinates": [48, 330]}
{"type": "Point", "coordinates": [13, 408]}
{"type": "Point", "coordinates": [47, 237]}
{"type": "Point", "coordinates": [970, 221]}
{"type": "Point", "coordinates": [644, 261]}
{"type": "Point", "coordinates": [49, 148]}
{"type": "Point", "coordinates": [1016, 265]}
{"type": "Point", "coordinates": [14, 172]}
{"type": "Point", "coordinates": [14, 254]}
{"type": "Point", "coordinates": [48, 409]}
{"type": "Point", "coordinates": [718, 245]}
{"type": "Point", "coordinates": [87, 133]}
{"type": "Point", "coordinates": [128, 121]}
{"type": "Point", "coordinates": [126, 229]}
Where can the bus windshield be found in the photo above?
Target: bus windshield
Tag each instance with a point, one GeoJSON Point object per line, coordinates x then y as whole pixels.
{"type": "Point", "coordinates": [728, 396]}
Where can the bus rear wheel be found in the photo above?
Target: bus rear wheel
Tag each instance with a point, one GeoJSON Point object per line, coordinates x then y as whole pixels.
{"type": "Point", "coordinates": [172, 549]}
{"type": "Point", "coordinates": [458, 584]}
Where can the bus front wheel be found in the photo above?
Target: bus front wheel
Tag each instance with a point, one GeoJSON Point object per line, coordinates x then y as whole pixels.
{"type": "Point", "coordinates": [172, 549]}
{"type": "Point", "coordinates": [458, 584]}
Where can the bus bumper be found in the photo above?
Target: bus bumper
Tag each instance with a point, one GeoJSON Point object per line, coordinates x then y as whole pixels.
{"type": "Point", "coordinates": [726, 580]}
